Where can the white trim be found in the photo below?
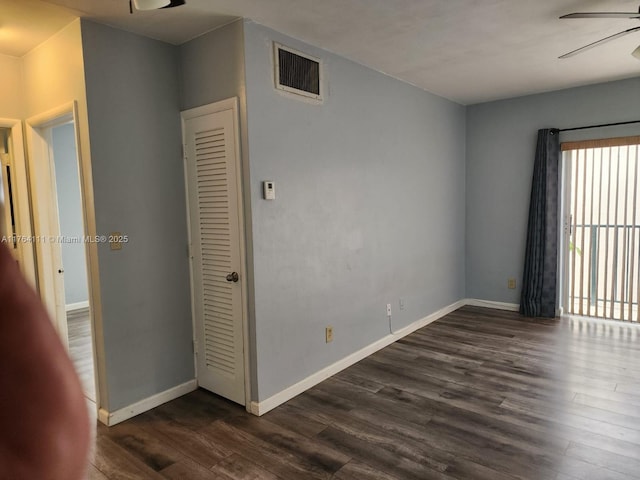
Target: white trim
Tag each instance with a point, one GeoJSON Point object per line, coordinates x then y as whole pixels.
{"type": "Point", "coordinates": [113, 418]}
{"type": "Point", "coordinates": [220, 106]}
{"type": "Point", "coordinates": [260, 408]}
{"type": "Point", "coordinates": [44, 204]}
{"type": "Point", "coordinates": [74, 307]}
{"type": "Point", "coordinates": [475, 302]}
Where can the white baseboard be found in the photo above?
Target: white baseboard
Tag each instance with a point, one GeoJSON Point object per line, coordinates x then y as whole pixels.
{"type": "Point", "coordinates": [113, 418]}
{"type": "Point", "coordinates": [74, 307]}
{"type": "Point", "coordinates": [260, 408]}
{"type": "Point", "coordinates": [512, 307]}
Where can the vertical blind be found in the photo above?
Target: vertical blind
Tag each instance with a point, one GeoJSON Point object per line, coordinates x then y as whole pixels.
{"type": "Point", "coordinates": [604, 228]}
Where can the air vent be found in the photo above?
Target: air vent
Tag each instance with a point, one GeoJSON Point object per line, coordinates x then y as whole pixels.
{"type": "Point", "coordinates": [297, 72]}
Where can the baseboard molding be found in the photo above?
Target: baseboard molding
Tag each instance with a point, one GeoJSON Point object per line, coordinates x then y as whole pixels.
{"type": "Point", "coordinates": [113, 418]}
{"type": "Point", "coordinates": [512, 307]}
{"type": "Point", "coordinates": [75, 307]}
{"type": "Point", "coordinates": [260, 408]}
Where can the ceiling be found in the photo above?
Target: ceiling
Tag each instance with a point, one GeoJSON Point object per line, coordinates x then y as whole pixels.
{"type": "Point", "coordinates": [25, 24]}
{"type": "Point", "coordinates": [469, 51]}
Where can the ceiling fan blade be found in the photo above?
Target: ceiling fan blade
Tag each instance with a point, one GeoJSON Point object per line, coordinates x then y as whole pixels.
{"type": "Point", "coordinates": [599, 42]}
{"type": "Point", "coordinates": [603, 15]}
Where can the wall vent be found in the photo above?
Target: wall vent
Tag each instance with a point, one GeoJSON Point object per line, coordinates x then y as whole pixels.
{"type": "Point", "coordinates": [297, 72]}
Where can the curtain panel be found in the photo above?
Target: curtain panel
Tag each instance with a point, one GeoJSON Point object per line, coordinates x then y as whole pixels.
{"type": "Point", "coordinates": [539, 281]}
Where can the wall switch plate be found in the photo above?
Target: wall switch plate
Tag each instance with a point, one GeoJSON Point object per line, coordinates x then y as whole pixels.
{"type": "Point", "coordinates": [114, 241]}
{"type": "Point", "coordinates": [329, 334]}
{"type": "Point", "coordinates": [511, 283]}
{"type": "Point", "coordinates": [388, 309]}
{"type": "Point", "coordinates": [401, 303]}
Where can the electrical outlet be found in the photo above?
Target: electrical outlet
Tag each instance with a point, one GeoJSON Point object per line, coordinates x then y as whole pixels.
{"type": "Point", "coordinates": [329, 334]}
{"type": "Point", "coordinates": [388, 309]}
{"type": "Point", "coordinates": [401, 302]}
{"type": "Point", "coordinates": [511, 283]}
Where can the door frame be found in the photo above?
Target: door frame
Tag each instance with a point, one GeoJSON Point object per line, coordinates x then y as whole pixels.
{"type": "Point", "coordinates": [46, 223]}
{"type": "Point", "coordinates": [227, 104]}
{"type": "Point", "coordinates": [22, 199]}
{"type": "Point", "coordinates": [564, 234]}
{"type": "Point", "coordinates": [35, 148]}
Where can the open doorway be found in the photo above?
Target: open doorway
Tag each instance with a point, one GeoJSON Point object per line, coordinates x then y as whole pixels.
{"type": "Point", "coordinates": [59, 229]}
{"type": "Point", "coordinates": [74, 261]}
{"type": "Point", "coordinates": [14, 198]}
{"type": "Point", "coordinates": [8, 216]}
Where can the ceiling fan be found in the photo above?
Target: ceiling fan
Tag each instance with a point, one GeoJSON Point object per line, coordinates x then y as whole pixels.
{"type": "Point", "coordinates": [630, 15]}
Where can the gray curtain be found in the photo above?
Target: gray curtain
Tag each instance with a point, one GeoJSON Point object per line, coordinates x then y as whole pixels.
{"type": "Point", "coordinates": [541, 256]}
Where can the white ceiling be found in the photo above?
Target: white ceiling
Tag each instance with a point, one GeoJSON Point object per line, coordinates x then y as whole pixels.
{"type": "Point", "coordinates": [469, 51]}
{"type": "Point", "coordinates": [25, 24]}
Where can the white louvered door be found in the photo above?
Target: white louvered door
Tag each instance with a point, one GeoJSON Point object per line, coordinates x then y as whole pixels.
{"type": "Point", "coordinates": [212, 167]}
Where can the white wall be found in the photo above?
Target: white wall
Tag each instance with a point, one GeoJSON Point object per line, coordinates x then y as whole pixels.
{"type": "Point", "coordinates": [12, 88]}
{"type": "Point", "coordinates": [53, 73]}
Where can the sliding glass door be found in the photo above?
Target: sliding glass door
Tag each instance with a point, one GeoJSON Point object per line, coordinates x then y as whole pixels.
{"type": "Point", "coordinates": [601, 244]}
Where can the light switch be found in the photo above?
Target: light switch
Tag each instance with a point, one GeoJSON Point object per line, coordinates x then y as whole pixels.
{"type": "Point", "coordinates": [115, 240]}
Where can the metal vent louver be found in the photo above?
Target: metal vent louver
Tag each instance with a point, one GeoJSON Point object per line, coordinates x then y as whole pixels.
{"type": "Point", "coordinates": [298, 73]}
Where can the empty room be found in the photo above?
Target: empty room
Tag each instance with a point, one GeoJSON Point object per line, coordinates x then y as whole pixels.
{"type": "Point", "coordinates": [324, 240]}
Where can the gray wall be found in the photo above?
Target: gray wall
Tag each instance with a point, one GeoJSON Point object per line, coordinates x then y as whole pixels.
{"type": "Point", "coordinates": [133, 98]}
{"type": "Point", "coordinates": [369, 209]}
{"type": "Point", "coordinates": [501, 139]}
{"type": "Point", "coordinates": [213, 69]}
{"type": "Point", "coordinates": [70, 213]}
{"type": "Point", "coordinates": [371, 205]}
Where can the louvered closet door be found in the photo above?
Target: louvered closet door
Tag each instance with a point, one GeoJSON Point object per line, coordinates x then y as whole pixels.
{"type": "Point", "coordinates": [212, 170]}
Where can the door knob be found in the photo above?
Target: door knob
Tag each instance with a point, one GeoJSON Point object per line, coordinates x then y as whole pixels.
{"type": "Point", "coordinates": [61, 270]}
{"type": "Point", "coordinates": [232, 277]}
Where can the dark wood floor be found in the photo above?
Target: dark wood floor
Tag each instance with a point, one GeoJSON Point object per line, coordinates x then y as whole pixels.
{"type": "Point", "coordinates": [480, 394]}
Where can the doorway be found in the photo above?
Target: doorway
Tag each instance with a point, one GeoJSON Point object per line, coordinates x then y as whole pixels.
{"type": "Point", "coordinates": [59, 229]}
{"type": "Point", "coordinates": [14, 198]}
{"type": "Point", "coordinates": [601, 244]}
{"type": "Point", "coordinates": [7, 187]}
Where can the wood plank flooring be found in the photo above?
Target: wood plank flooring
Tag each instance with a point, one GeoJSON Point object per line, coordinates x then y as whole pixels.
{"type": "Point", "coordinates": [479, 394]}
{"type": "Point", "coordinates": [81, 349]}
